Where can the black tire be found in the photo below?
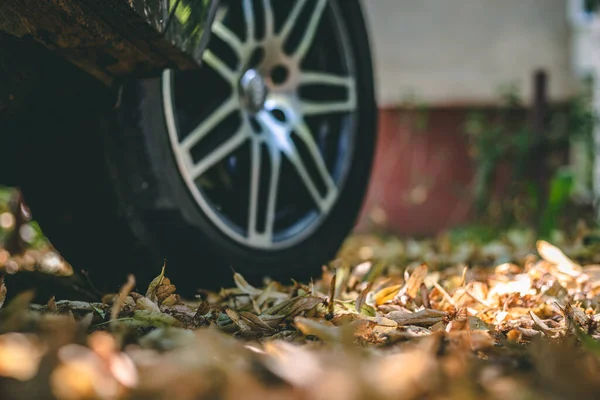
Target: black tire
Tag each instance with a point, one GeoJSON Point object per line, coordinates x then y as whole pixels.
{"type": "Point", "coordinates": [113, 202]}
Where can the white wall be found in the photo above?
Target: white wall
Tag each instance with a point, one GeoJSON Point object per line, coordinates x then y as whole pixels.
{"type": "Point", "coordinates": [452, 52]}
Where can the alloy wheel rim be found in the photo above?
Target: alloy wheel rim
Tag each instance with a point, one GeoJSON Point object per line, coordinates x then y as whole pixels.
{"type": "Point", "coordinates": [277, 129]}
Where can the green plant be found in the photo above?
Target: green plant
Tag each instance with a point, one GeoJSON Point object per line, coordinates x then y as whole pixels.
{"type": "Point", "coordinates": [418, 112]}
{"type": "Point", "coordinates": [495, 139]}
{"type": "Point", "coordinates": [505, 137]}
{"type": "Point", "coordinates": [559, 194]}
{"type": "Point", "coordinates": [582, 120]}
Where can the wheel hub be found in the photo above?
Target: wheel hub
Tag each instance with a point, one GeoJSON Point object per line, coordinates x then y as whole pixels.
{"type": "Point", "coordinates": [253, 90]}
{"type": "Point", "coordinates": [283, 144]}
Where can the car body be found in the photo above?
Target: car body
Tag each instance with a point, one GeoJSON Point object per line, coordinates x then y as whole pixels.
{"type": "Point", "coordinates": [221, 130]}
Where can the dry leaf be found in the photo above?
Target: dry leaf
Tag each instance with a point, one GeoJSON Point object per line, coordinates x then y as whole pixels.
{"type": "Point", "coordinates": [164, 291]}
{"type": "Point", "coordinates": [383, 325]}
{"type": "Point", "coordinates": [295, 364]}
{"type": "Point", "coordinates": [144, 303]}
{"type": "Point", "coordinates": [293, 307]}
{"type": "Point", "coordinates": [145, 318]}
{"type": "Point", "coordinates": [416, 279]}
{"type": "Point", "coordinates": [360, 301]}
{"type": "Point", "coordinates": [331, 300]}
{"type": "Point", "coordinates": [554, 255]}
{"type": "Point", "coordinates": [386, 294]}
{"type": "Point", "coordinates": [424, 317]}
{"type": "Point", "coordinates": [342, 276]}
{"type": "Point", "coordinates": [514, 335]}
{"type": "Point", "coordinates": [247, 321]}
{"type": "Point", "coordinates": [150, 292]}
{"type": "Point", "coordinates": [20, 356]}
{"type": "Point", "coordinates": [328, 332]}
{"type": "Point", "coordinates": [552, 332]}
{"type": "Point", "coordinates": [324, 330]}
{"type": "Point", "coordinates": [52, 305]}
{"type": "Point", "coordinates": [123, 293]}
{"type": "Point", "coordinates": [448, 344]}
{"type": "Point", "coordinates": [244, 286]}
{"type": "Point", "coordinates": [82, 374]}
{"type": "Point", "coordinates": [475, 340]}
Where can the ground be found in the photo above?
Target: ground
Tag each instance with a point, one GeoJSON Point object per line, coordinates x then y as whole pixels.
{"type": "Point", "coordinates": [450, 317]}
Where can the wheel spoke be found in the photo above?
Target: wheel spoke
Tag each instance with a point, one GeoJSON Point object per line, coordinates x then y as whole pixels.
{"type": "Point", "coordinates": [310, 31]}
{"type": "Point", "coordinates": [331, 80]}
{"type": "Point", "coordinates": [326, 79]}
{"type": "Point", "coordinates": [249, 19]}
{"type": "Point", "coordinates": [272, 200]}
{"type": "Point", "coordinates": [269, 24]}
{"type": "Point", "coordinates": [292, 18]}
{"type": "Point", "coordinates": [265, 237]}
{"type": "Point", "coordinates": [293, 155]}
{"type": "Point", "coordinates": [254, 186]}
{"type": "Point", "coordinates": [218, 65]}
{"type": "Point", "coordinates": [303, 132]}
{"type": "Point", "coordinates": [226, 35]}
{"type": "Point", "coordinates": [221, 151]}
{"type": "Point", "coordinates": [328, 107]}
{"type": "Point", "coordinates": [209, 123]}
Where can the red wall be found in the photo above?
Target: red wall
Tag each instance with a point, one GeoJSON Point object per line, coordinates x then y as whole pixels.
{"type": "Point", "coordinates": [421, 177]}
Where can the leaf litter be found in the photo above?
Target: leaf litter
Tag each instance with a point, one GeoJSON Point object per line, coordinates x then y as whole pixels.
{"type": "Point", "coordinates": [386, 320]}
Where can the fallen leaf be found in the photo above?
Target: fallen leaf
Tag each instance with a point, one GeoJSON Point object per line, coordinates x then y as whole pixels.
{"type": "Point", "coordinates": [13, 315]}
{"type": "Point", "coordinates": [324, 330]}
{"type": "Point", "coordinates": [145, 318]}
{"type": "Point", "coordinates": [247, 321]}
{"type": "Point", "coordinates": [554, 255]}
{"type": "Point", "coordinates": [164, 291]}
{"type": "Point", "coordinates": [294, 306]}
{"type": "Point", "coordinates": [331, 299]}
{"type": "Point", "coordinates": [244, 286]}
{"type": "Point", "coordinates": [20, 356]}
{"type": "Point", "coordinates": [295, 364]}
{"type": "Point", "coordinates": [82, 375]}
{"type": "Point", "coordinates": [424, 317]}
{"type": "Point", "coordinates": [328, 332]}
{"type": "Point", "coordinates": [123, 293]}
{"type": "Point", "coordinates": [415, 280]}
{"type": "Point", "coordinates": [552, 332]}
{"type": "Point", "coordinates": [360, 301]}
{"type": "Point", "coordinates": [342, 275]}
{"type": "Point", "coordinates": [144, 303]}
{"type": "Point", "coordinates": [150, 292]}
{"type": "Point", "coordinates": [386, 294]}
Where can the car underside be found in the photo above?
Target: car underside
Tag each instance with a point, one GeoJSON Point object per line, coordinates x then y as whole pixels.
{"type": "Point", "coordinates": [115, 38]}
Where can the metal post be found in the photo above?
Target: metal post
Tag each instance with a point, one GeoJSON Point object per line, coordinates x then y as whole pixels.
{"type": "Point", "coordinates": [539, 124]}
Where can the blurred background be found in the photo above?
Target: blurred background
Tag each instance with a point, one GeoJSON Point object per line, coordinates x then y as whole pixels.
{"type": "Point", "coordinates": [487, 113]}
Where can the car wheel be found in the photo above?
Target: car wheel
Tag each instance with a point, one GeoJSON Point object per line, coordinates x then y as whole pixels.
{"type": "Point", "coordinates": [258, 162]}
